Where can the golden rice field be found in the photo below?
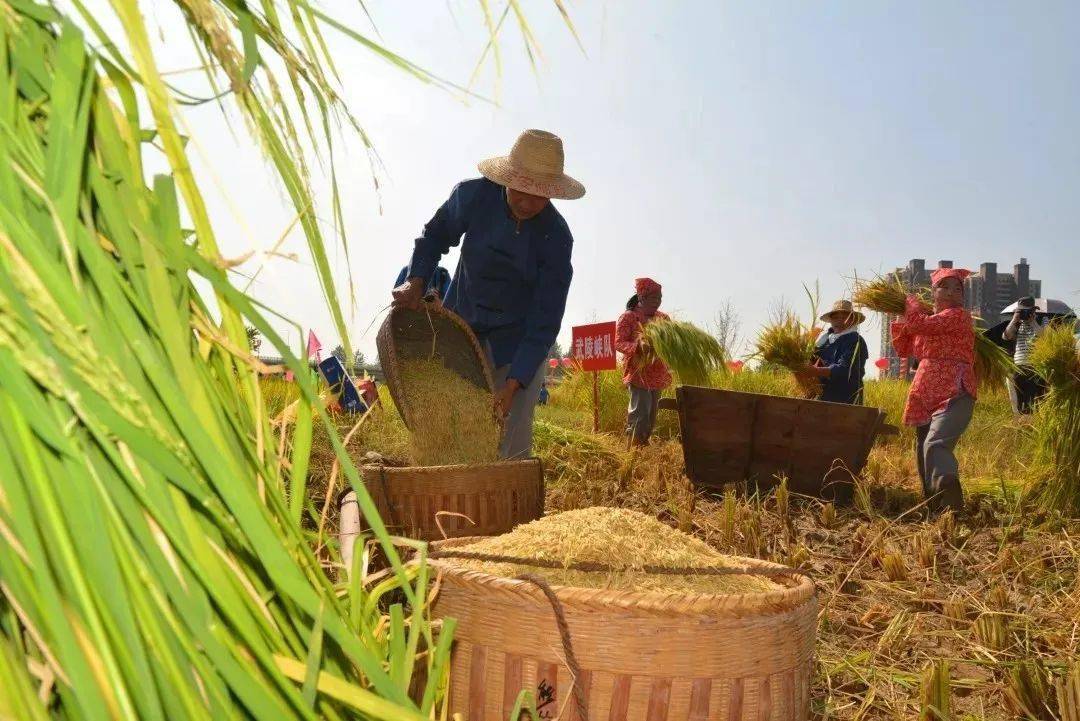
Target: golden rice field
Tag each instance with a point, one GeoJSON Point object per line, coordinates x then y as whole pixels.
{"type": "Point", "coordinates": [981, 610]}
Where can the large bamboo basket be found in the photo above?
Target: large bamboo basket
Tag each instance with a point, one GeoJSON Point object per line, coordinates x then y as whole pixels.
{"type": "Point", "coordinates": [644, 656]}
{"type": "Point", "coordinates": [415, 501]}
{"type": "Point", "coordinates": [429, 332]}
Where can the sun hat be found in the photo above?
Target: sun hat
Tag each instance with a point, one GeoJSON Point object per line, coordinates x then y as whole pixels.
{"type": "Point", "coordinates": [1027, 302]}
{"type": "Point", "coordinates": [534, 166]}
{"type": "Point", "coordinates": [845, 307]}
{"type": "Point", "coordinates": [943, 273]}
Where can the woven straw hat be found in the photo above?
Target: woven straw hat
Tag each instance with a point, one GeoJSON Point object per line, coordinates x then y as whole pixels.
{"type": "Point", "coordinates": [845, 307]}
{"type": "Point", "coordinates": [534, 166]}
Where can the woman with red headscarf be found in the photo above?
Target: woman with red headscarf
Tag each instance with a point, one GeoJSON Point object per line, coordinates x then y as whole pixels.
{"type": "Point", "coordinates": [942, 395]}
{"type": "Point", "coordinates": [645, 375]}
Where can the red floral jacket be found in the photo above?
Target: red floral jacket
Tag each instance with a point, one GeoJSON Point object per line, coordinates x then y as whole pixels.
{"type": "Point", "coordinates": [653, 376]}
{"type": "Point", "coordinates": [944, 343]}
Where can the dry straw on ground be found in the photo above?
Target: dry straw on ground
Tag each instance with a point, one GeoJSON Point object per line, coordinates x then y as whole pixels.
{"type": "Point", "coordinates": [619, 538]}
{"type": "Point", "coordinates": [452, 419]}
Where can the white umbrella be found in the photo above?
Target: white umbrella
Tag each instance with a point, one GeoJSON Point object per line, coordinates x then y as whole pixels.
{"type": "Point", "coordinates": [1044, 306]}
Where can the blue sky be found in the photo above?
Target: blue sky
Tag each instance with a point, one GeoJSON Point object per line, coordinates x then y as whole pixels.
{"type": "Point", "coordinates": [730, 150]}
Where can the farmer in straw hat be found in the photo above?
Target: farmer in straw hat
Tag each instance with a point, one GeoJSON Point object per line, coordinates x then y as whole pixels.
{"type": "Point", "coordinates": [840, 356]}
{"type": "Point", "coordinates": [941, 399]}
{"type": "Point", "coordinates": [511, 281]}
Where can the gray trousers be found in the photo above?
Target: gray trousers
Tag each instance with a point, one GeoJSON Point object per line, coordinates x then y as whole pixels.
{"type": "Point", "coordinates": [935, 443]}
{"type": "Point", "coordinates": [518, 433]}
{"type": "Point", "coordinates": [641, 415]}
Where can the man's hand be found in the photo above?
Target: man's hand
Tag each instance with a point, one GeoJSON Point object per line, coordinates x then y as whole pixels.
{"type": "Point", "coordinates": [504, 398]}
{"type": "Point", "coordinates": [409, 294]}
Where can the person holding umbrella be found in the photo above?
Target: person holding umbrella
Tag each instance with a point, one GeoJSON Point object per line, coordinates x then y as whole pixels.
{"type": "Point", "coordinates": [513, 276]}
{"type": "Point", "coordinates": [840, 356]}
{"type": "Point", "coordinates": [1026, 386]}
{"type": "Point", "coordinates": [941, 399]}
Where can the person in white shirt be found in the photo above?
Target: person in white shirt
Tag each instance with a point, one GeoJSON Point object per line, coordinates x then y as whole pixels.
{"type": "Point", "coordinates": [1026, 386]}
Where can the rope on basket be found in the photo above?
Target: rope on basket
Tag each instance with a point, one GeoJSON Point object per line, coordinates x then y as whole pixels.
{"type": "Point", "coordinates": [567, 644]}
{"type": "Point", "coordinates": [596, 567]}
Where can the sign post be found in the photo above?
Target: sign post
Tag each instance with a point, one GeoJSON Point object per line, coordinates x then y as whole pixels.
{"type": "Point", "coordinates": [594, 350]}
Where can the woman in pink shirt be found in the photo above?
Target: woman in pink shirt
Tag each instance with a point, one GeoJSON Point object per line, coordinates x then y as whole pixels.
{"type": "Point", "coordinates": [942, 395]}
{"type": "Point", "coordinates": [644, 375]}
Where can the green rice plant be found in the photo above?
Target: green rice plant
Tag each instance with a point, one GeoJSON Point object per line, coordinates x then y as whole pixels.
{"type": "Point", "coordinates": [691, 353]}
{"type": "Point", "coordinates": [153, 564]}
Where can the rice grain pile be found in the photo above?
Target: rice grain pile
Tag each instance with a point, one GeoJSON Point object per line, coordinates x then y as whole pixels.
{"type": "Point", "coordinates": [617, 537]}
{"type": "Point", "coordinates": [452, 419]}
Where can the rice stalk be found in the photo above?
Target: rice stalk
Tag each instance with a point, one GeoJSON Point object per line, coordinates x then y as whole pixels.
{"type": "Point", "coordinates": [691, 353]}
{"type": "Point", "coordinates": [935, 701]}
{"type": "Point", "coordinates": [992, 631]}
{"type": "Point", "coordinates": [151, 565]}
{"type": "Point", "coordinates": [1028, 691]}
{"type": "Point", "coordinates": [1067, 691]}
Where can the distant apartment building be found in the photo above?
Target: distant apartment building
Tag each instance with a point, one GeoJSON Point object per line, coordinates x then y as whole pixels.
{"type": "Point", "coordinates": [986, 293]}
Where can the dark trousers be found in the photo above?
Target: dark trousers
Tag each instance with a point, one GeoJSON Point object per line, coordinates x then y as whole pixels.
{"type": "Point", "coordinates": [1025, 388]}
{"type": "Point", "coordinates": [935, 443]}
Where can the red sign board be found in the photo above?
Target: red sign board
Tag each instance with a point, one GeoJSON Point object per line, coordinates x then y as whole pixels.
{"type": "Point", "coordinates": [594, 346]}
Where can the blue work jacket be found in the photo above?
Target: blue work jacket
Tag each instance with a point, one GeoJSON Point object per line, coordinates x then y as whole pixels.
{"type": "Point", "coordinates": [511, 282]}
{"type": "Point", "coordinates": [845, 357]}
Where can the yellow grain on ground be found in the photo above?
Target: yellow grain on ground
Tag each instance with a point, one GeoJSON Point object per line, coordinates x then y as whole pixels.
{"type": "Point", "coordinates": [452, 419]}
{"type": "Point", "coordinates": [616, 537]}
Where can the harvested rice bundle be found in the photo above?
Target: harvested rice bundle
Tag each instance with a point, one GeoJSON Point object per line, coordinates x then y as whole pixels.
{"type": "Point", "coordinates": [790, 344]}
{"type": "Point", "coordinates": [886, 294]}
{"type": "Point", "coordinates": [691, 353]}
{"type": "Point", "coordinates": [617, 537]}
{"type": "Point", "coordinates": [1056, 483]}
{"type": "Point", "coordinates": [1056, 358]}
{"type": "Point", "coordinates": [787, 343]}
{"type": "Point", "coordinates": [993, 364]}
{"type": "Point", "coordinates": [452, 418]}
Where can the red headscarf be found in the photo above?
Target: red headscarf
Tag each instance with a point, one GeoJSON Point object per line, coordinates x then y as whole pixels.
{"type": "Point", "coordinates": [942, 273]}
{"type": "Point", "coordinates": [646, 286]}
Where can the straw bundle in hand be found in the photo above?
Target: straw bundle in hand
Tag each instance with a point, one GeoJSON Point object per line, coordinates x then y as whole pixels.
{"type": "Point", "coordinates": [993, 364]}
{"type": "Point", "coordinates": [885, 294]}
{"type": "Point", "coordinates": [790, 344]}
{"type": "Point", "coordinates": [787, 343]}
{"type": "Point", "coordinates": [688, 351]}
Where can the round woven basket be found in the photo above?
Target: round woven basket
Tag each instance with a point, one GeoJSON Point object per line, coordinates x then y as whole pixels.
{"type": "Point", "coordinates": [480, 500]}
{"type": "Point", "coordinates": [429, 332]}
{"type": "Point", "coordinates": [643, 656]}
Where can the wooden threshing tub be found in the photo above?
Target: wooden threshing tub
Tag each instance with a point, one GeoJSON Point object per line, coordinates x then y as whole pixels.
{"type": "Point", "coordinates": [733, 437]}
